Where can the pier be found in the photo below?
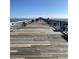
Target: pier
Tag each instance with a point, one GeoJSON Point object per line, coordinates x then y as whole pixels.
{"type": "Point", "coordinates": [37, 40]}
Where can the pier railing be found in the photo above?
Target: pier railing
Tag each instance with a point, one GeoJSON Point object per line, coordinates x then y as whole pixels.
{"type": "Point", "coordinates": [19, 24]}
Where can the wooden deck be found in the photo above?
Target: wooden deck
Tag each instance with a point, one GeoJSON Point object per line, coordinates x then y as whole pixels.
{"type": "Point", "coordinates": [37, 41]}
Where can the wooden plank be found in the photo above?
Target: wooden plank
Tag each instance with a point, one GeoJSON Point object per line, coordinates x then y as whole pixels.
{"type": "Point", "coordinates": [30, 42]}
{"type": "Point", "coordinates": [14, 51]}
{"type": "Point", "coordinates": [28, 45]}
{"type": "Point", "coordinates": [41, 56]}
{"type": "Point", "coordinates": [20, 45]}
{"type": "Point", "coordinates": [38, 41]}
{"type": "Point", "coordinates": [18, 58]}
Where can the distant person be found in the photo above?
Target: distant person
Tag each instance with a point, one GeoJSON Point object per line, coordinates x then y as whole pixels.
{"type": "Point", "coordinates": [24, 24]}
{"type": "Point", "coordinates": [32, 20]}
{"type": "Point", "coordinates": [37, 19]}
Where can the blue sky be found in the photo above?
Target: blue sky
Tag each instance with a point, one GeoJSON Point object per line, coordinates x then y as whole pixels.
{"type": "Point", "coordinates": [38, 8]}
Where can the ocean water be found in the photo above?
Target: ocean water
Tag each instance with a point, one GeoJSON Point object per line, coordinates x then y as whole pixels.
{"type": "Point", "coordinates": [16, 20]}
{"type": "Point", "coordinates": [17, 23]}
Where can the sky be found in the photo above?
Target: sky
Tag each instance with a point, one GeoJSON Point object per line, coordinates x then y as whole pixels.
{"type": "Point", "coordinates": [38, 8]}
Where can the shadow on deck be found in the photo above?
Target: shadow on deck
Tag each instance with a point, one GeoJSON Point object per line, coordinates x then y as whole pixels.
{"type": "Point", "coordinates": [64, 36]}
